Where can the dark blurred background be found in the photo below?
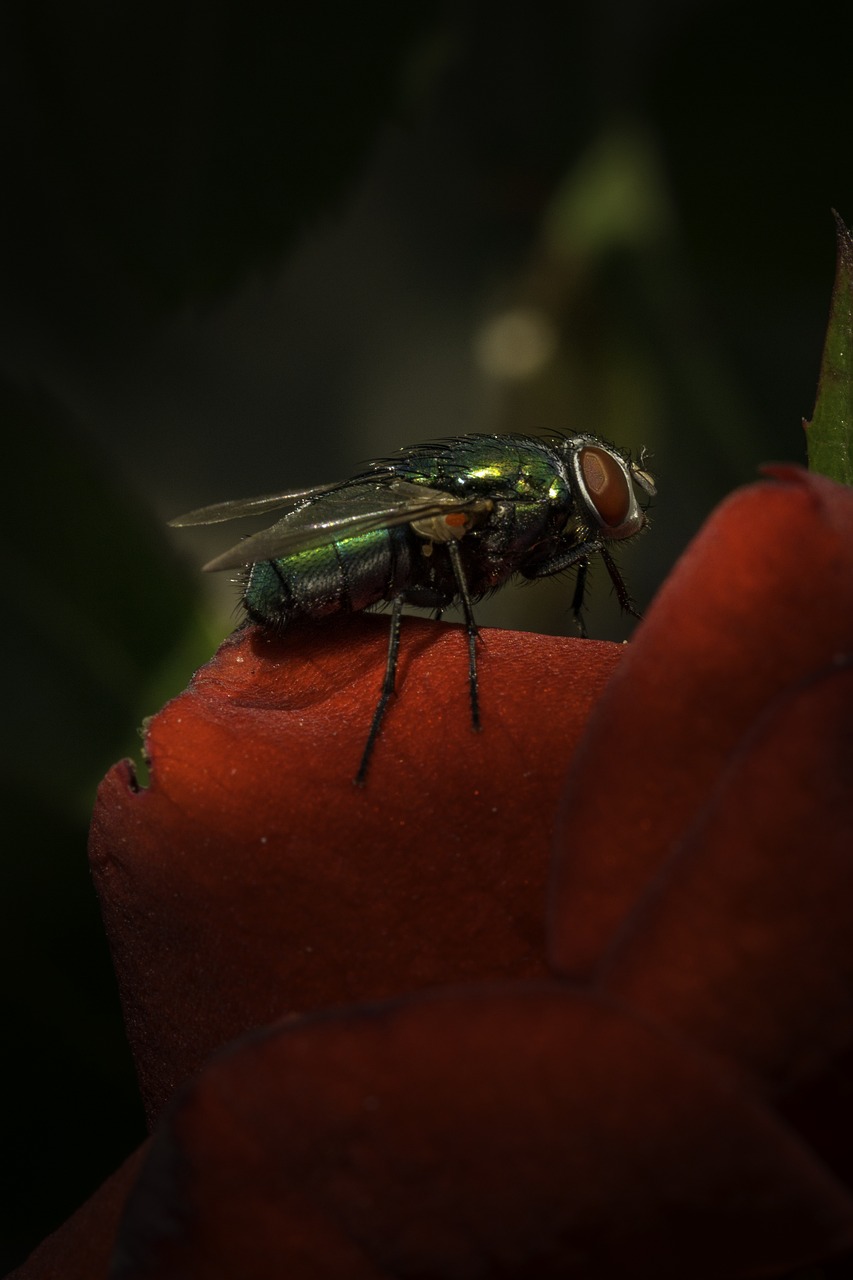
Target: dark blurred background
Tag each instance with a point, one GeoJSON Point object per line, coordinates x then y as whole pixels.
{"type": "Point", "coordinates": [246, 247]}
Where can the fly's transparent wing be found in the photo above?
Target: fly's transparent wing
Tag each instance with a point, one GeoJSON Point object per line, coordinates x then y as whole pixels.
{"type": "Point", "coordinates": [237, 508]}
{"type": "Point", "coordinates": [344, 513]}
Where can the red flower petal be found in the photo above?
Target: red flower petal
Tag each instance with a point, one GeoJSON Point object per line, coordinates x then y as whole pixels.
{"type": "Point", "coordinates": [718, 894]}
{"type": "Point", "coordinates": [252, 879]}
{"type": "Point", "coordinates": [511, 1128]}
{"type": "Point", "coordinates": [745, 942]}
{"type": "Point", "coordinates": [762, 600]}
{"type": "Point", "coordinates": [520, 1133]}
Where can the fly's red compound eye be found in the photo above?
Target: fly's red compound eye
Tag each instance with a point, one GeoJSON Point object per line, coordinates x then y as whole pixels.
{"type": "Point", "coordinates": [607, 485]}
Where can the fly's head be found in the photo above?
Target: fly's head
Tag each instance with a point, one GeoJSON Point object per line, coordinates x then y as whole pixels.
{"type": "Point", "coordinates": [604, 483]}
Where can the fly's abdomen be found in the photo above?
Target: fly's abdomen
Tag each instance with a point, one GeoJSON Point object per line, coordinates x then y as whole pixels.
{"type": "Point", "coordinates": [340, 577]}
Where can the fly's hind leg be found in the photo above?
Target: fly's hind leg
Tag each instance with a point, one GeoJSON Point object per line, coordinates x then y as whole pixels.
{"type": "Point", "coordinates": [471, 626]}
{"type": "Point", "coordinates": [386, 691]}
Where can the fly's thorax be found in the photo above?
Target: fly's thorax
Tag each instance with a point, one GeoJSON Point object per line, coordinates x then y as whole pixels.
{"type": "Point", "coordinates": [519, 468]}
{"type": "Point", "coordinates": [526, 492]}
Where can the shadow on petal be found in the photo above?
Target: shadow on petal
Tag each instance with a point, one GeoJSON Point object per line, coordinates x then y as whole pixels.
{"type": "Point", "coordinates": [487, 1132]}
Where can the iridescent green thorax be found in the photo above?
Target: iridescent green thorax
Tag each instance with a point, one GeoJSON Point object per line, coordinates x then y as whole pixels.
{"type": "Point", "coordinates": [510, 466]}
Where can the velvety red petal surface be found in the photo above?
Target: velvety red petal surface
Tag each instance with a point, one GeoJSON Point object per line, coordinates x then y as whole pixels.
{"type": "Point", "coordinates": [524, 1132]}
{"type": "Point", "coordinates": [745, 942]}
{"type": "Point", "coordinates": [717, 896]}
{"type": "Point", "coordinates": [252, 879]}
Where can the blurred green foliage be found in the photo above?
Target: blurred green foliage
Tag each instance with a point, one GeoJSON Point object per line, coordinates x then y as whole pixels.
{"type": "Point", "coordinates": [830, 432]}
{"type": "Point", "coordinates": [97, 609]}
{"type": "Point", "coordinates": [101, 603]}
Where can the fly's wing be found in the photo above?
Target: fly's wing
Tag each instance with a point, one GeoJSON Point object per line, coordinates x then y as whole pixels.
{"type": "Point", "coordinates": [237, 508]}
{"type": "Point", "coordinates": [344, 512]}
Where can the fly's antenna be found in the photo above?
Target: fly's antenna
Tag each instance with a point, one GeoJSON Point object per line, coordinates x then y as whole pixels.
{"type": "Point", "coordinates": [641, 474]}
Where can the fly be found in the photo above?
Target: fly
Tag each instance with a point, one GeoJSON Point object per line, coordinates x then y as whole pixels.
{"type": "Point", "coordinates": [439, 524]}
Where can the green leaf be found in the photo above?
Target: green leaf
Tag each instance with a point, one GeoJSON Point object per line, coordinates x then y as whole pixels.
{"type": "Point", "coordinates": [830, 432]}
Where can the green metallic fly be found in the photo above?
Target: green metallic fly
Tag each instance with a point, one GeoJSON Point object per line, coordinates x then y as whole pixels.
{"type": "Point", "coordinates": [438, 524]}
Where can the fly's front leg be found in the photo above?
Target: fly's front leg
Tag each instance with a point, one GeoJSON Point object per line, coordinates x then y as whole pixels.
{"type": "Point", "coordinates": [577, 598]}
{"type": "Point", "coordinates": [471, 625]}
{"type": "Point", "coordinates": [387, 689]}
{"type": "Point", "coordinates": [622, 593]}
{"type": "Point", "coordinates": [579, 557]}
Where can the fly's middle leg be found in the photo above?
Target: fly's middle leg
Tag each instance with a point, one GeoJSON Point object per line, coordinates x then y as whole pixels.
{"type": "Point", "coordinates": [389, 680]}
{"type": "Point", "coordinates": [471, 626]}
